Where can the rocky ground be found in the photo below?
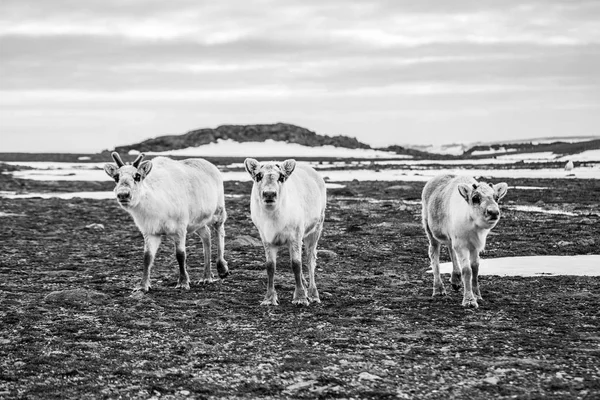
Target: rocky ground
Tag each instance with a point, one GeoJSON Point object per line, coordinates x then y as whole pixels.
{"type": "Point", "coordinates": [72, 328]}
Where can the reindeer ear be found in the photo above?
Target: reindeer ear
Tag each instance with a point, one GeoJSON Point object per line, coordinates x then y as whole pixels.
{"type": "Point", "coordinates": [251, 166]}
{"type": "Point", "coordinates": [500, 189]}
{"type": "Point", "coordinates": [111, 170]}
{"type": "Point", "coordinates": [465, 190]}
{"type": "Point", "coordinates": [288, 167]}
{"type": "Point", "coordinates": [145, 168]}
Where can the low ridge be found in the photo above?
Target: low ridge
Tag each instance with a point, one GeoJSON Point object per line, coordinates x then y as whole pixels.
{"type": "Point", "coordinates": [243, 133]}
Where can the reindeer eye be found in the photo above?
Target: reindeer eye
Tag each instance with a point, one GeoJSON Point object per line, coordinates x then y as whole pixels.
{"type": "Point", "coordinates": [137, 177]}
{"type": "Point", "coordinates": [258, 177]}
{"type": "Point", "coordinates": [116, 178]}
{"type": "Point", "coordinates": [281, 178]}
{"type": "Point", "coordinates": [476, 199]}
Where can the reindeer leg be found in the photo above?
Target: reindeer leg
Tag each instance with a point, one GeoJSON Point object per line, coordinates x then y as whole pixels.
{"type": "Point", "coordinates": [434, 257]}
{"type": "Point", "coordinates": [151, 243]}
{"type": "Point", "coordinates": [184, 278]}
{"type": "Point", "coordinates": [222, 269]}
{"type": "Point", "coordinates": [469, 299]}
{"type": "Point", "coordinates": [311, 252]}
{"type": "Point", "coordinates": [296, 258]}
{"type": "Point", "coordinates": [455, 278]}
{"type": "Point", "coordinates": [204, 234]}
{"type": "Point", "coordinates": [271, 295]}
{"type": "Point", "coordinates": [475, 269]}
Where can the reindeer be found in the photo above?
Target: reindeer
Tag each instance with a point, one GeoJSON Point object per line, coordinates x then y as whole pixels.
{"type": "Point", "coordinates": [459, 212]}
{"type": "Point", "coordinates": [178, 198]}
{"type": "Point", "coordinates": [288, 207]}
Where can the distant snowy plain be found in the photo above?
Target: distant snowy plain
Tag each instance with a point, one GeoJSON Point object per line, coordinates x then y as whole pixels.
{"type": "Point", "coordinates": [407, 169]}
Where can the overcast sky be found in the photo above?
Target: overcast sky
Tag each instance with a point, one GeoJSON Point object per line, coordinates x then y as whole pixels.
{"type": "Point", "coordinates": [88, 75]}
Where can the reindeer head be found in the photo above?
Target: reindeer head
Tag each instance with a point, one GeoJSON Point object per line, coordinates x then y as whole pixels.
{"type": "Point", "coordinates": [483, 199]}
{"type": "Point", "coordinates": [269, 178]}
{"type": "Point", "coordinates": [128, 178]}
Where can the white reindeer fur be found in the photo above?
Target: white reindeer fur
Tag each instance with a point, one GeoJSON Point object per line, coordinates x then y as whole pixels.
{"type": "Point", "coordinates": [451, 218]}
{"type": "Point", "coordinates": [178, 193]}
{"type": "Point", "coordinates": [176, 198]}
{"type": "Point", "coordinates": [297, 216]}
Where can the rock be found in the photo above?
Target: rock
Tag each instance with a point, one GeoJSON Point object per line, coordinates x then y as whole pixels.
{"type": "Point", "coordinates": [326, 254]}
{"type": "Point", "coordinates": [245, 240]}
{"type": "Point", "coordinates": [586, 242]}
{"type": "Point", "coordinates": [345, 191]}
{"type": "Point", "coordinates": [367, 376]}
{"type": "Point", "coordinates": [398, 187]}
{"type": "Point", "coordinates": [301, 385]}
{"type": "Point", "coordinates": [564, 243]}
{"type": "Point", "coordinates": [75, 296]}
{"type": "Point", "coordinates": [492, 380]}
{"type": "Point", "coordinates": [95, 227]}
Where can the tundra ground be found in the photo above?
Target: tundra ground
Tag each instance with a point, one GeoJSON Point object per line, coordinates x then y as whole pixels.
{"type": "Point", "coordinates": [70, 326]}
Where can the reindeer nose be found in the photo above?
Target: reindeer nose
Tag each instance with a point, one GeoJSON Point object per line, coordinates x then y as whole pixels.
{"type": "Point", "coordinates": [269, 196]}
{"type": "Point", "coordinates": [493, 212]}
{"type": "Point", "coordinates": [123, 196]}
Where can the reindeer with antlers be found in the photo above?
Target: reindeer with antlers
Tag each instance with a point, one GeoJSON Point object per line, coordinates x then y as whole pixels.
{"type": "Point", "coordinates": [178, 198]}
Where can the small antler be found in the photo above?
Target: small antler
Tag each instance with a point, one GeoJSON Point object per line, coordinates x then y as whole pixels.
{"type": "Point", "coordinates": [138, 160]}
{"type": "Point", "coordinates": [117, 159]}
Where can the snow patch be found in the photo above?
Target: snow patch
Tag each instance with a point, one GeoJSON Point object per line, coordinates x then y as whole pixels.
{"type": "Point", "coordinates": [529, 187]}
{"type": "Point", "coordinates": [271, 148]}
{"type": "Point", "coordinates": [588, 155]}
{"type": "Point", "coordinates": [582, 265]}
{"type": "Point", "coordinates": [411, 175]}
{"type": "Point", "coordinates": [541, 210]}
{"type": "Point", "coordinates": [543, 155]}
{"type": "Point", "coordinates": [65, 196]}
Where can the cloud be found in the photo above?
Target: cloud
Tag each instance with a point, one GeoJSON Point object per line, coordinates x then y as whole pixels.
{"type": "Point", "coordinates": [335, 64]}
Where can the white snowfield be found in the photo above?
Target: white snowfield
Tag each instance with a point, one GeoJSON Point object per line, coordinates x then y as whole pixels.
{"type": "Point", "coordinates": [269, 148]}
{"type": "Point", "coordinates": [583, 265]}
{"type": "Point", "coordinates": [95, 173]}
{"type": "Point", "coordinates": [414, 170]}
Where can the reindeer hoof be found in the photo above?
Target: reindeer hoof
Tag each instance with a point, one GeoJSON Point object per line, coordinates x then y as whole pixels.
{"type": "Point", "coordinates": [205, 281]}
{"type": "Point", "coordinates": [141, 288]}
{"type": "Point", "coordinates": [224, 274]}
{"type": "Point", "coordinates": [300, 302]}
{"type": "Point", "coordinates": [185, 286]}
{"type": "Point", "coordinates": [222, 269]}
{"type": "Point", "coordinates": [470, 303]}
{"type": "Point", "coordinates": [439, 292]}
{"type": "Point", "coordinates": [269, 302]}
{"type": "Point", "coordinates": [313, 295]}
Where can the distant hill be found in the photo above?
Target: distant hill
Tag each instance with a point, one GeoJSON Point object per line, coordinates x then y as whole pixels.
{"type": "Point", "coordinates": [521, 147]}
{"type": "Point", "coordinates": [294, 134]}
{"type": "Point", "coordinates": [243, 133]}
